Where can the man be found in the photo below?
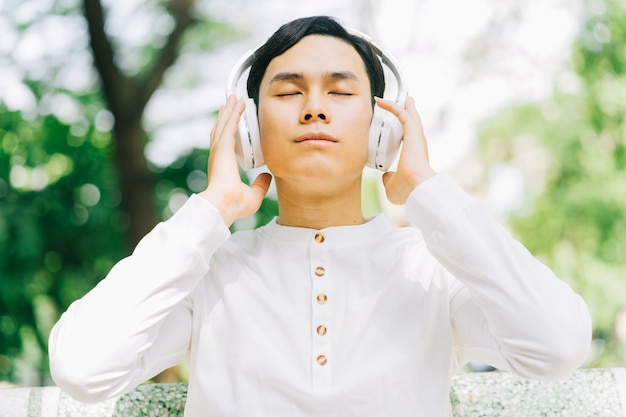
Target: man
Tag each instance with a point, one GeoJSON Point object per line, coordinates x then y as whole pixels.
{"type": "Point", "coordinates": [321, 312]}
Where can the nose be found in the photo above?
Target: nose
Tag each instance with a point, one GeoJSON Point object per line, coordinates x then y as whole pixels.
{"type": "Point", "coordinates": [314, 109]}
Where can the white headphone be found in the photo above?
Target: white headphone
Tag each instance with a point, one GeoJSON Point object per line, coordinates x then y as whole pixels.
{"type": "Point", "coordinates": [385, 134]}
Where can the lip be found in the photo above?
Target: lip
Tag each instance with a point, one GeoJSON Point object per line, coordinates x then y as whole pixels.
{"type": "Point", "coordinates": [315, 137]}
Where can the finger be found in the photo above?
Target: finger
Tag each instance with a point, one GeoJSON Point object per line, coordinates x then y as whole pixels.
{"type": "Point", "coordinates": [222, 158]}
{"type": "Point", "coordinates": [404, 114]}
{"type": "Point", "coordinates": [394, 108]}
{"type": "Point", "coordinates": [230, 114]}
{"type": "Point", "coordinates": [412, 111]}
{"type": "Point", "coordinates": [214, 128]}
{"type": "Point", "coordinates": [231, 125]}
{"type": "Point", "coordinates": [407, 115]}
{"type": "Point", "coordinates": [228, 118]}
{"type": "Point", "coordinates": [219, 122]}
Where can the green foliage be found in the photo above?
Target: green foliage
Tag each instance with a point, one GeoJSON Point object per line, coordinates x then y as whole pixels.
{"type": "Point", "coordinates": [572, 149]}
{"type": "Point", "coordinates": [60, 229]}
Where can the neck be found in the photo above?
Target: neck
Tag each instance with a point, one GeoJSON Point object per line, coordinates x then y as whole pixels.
{"type": "Point", "coordinates": [319, 207]}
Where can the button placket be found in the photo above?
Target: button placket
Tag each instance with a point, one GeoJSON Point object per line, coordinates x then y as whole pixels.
{"type": "Point", "coordinates": [321, 303]}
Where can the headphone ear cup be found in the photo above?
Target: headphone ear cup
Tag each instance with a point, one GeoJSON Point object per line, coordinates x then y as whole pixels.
{"type": "Point", "coordinates": [248, 140]}
{"type": "Point", "coordinates": [384, 140]}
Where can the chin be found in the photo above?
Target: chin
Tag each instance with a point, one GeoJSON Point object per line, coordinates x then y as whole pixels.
{"type": "Point", "coordinates": [316, 165]}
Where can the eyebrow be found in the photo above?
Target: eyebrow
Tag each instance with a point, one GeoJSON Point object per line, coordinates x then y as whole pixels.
{"type": "Point", "coordinates": [297, 76]}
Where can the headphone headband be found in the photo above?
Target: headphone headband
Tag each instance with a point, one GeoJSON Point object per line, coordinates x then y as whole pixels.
{"type": "Point", "coordinates": [389, 61]}
{"type": "Point", "coordinates": [240, 67]}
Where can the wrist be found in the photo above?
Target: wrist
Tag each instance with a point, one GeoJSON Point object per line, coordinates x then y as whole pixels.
{"type": "Point", "coordinates": [223, 204]}
{"type": "Point", "coordinates": [423, 175]}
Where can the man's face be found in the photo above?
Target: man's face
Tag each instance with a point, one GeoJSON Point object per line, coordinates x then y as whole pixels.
{"type": "Point", "coordinates": [315, 111]}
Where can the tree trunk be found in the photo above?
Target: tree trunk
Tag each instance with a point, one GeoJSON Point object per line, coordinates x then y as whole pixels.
{"type": "Point", "coordinates": [126, 98]}
{"type": "Point", "coordinates": [136, 181]}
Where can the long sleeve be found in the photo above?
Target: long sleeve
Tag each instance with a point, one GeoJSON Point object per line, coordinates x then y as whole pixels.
{"type": "Point", "coordinates": [137, 321]}
{"type": "Point", "coordinates": [508, 309]}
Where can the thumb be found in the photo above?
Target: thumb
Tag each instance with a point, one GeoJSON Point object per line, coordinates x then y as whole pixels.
{"type": "Point", "coordinates": [387, 176]}
{"type": "Point", "coordinates": [261, 184]}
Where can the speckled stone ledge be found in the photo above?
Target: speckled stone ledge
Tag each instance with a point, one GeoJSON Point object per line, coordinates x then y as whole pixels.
{"type": "Point", "coordinates": [587, 393]}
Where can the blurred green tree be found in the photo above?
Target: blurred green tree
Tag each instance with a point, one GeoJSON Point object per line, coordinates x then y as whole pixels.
{"type": "Point", "coordinates": [77, 193]}
{"type": "Point", "coordinates": [572, 151]}
{"type": "Point", "coordinates": [60, 228]}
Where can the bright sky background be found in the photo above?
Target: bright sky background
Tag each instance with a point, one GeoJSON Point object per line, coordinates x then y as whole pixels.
{"type": "Point", "coordinates": [463, 59]}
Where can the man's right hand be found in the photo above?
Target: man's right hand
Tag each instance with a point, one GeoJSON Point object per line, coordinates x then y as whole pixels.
{"type": "Point", "coordinates": [232, 197]}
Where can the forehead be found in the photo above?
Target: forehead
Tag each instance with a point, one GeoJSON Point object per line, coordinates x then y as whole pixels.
{"type": "Point", "coordinates": [316, 55]}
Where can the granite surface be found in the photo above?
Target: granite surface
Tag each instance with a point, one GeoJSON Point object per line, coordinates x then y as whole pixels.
{"type": "Point", "coordinates": [587, 393]}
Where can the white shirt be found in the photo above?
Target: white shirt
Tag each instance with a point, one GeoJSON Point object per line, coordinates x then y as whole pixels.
{"type": "Point", "coordinates": [367, 320]}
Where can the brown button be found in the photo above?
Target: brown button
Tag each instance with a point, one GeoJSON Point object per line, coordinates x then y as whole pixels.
{"type": "Point", "coordinates": [321, 330]}
{"type": "Point", "coordinates": [321, 298]}
{"type": "Point", "coordinates": [320, 271]}
{"type": "Point", "coordinates": [319, 237]}
{"type": "Point", "coordinates": [321, 360]}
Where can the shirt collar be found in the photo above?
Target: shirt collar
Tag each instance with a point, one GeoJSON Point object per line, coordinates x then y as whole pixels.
{"type": "Point", "coordinates": [370, 230]}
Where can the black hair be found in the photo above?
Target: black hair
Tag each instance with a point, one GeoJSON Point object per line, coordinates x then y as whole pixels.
{"type": "Point", "coordinates": [291, 33]}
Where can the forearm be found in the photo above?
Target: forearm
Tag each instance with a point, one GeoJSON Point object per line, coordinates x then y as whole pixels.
{"type": "Point", "coordinates": [102, 345]}
{"type": "Point", "coordinates": [542, 328]}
